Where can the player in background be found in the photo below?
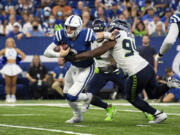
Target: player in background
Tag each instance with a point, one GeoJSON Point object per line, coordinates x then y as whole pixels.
{"type": "Point", "coordinates": [79, 40]}
{"type": "Point", "coordinates": [106, 70]}
{"type": "Point", "coordinates": [171, 36]}
{"type": "Point", "coordinates": [140, 74]}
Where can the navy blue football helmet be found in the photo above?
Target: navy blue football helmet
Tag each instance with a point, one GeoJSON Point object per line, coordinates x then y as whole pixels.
{"type": "Point", "coordinates": [98, 25]}
{"type": "Point", "coordinates": [118, 24]}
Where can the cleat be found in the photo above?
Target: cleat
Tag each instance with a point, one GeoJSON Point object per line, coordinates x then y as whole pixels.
{"type": "Point", "coordinates": [110, 113]}
{"type": "Point", "coordinates": [86, 104]}
{"type": "Point", "coordinates": [8, 99]}
{"type": "Point", "coordinates": [173, 83]}
{"type": "Point", "coordinates": [159, 118]}
{"type": "Point", "coordinates": [75, 119]}
{"type": "Point", "coordinates": [148, 116]}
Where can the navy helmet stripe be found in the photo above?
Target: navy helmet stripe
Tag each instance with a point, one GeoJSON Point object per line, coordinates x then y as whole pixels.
{"type": "Point", "coordinates": [71, 19]}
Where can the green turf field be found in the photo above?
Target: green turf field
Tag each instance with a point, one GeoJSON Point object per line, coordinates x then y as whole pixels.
{"type": "Point", "coordinates": [48, 118]}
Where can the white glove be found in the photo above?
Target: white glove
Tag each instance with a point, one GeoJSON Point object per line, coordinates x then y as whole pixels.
{"type": "Point", "coordinates": [158, 57]}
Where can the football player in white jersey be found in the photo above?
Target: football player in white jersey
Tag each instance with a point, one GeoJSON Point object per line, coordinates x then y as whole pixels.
{"type": "Point", "coordinates": [140, 74]}
{"type": "Point", "coordinates": [76, 78]}
{"type": "Point", "coordinates": [171, 36]}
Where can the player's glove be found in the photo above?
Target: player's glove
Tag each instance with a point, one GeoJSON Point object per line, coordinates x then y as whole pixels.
{"type": "Point", "coordinates": [70, 57]}
{"type": "Point", "coordinates": [57, 27]}
{"type": "Point", "coordinates": [158, 57]}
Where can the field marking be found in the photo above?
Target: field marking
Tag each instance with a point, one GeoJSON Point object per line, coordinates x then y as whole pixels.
{"type": "Point", "coordinates": [21, 114]}
{"type": "Point", "coordinates": [143, 125]}
{"type": "Point", "coordinates": [44, 129]}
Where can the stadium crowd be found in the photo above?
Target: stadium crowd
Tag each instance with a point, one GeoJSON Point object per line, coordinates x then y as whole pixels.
{"type": "Point", "coordinates": [34, 18]}
{"type": "Point", "coordinates": [37, 18]}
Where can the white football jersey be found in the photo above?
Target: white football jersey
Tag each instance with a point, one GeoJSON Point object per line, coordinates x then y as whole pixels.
{"type": "Point", "coordinates": [104, 59]}
{"type": "Point", "coordinates": [126, 56]}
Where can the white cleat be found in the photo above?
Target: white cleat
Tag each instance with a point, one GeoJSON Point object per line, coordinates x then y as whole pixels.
{"type": "Point", "coordinates": [173, 83]}
{"type": "Point", "coordinates": [86, 104]}
{"type": "Point", "coordinates": [13, 99]}
{"type": "Point", "coordinates": [8, 99]}
{"type": "Point", "coordinates": [75, 119]}
{"type": "Point", "coordinates": [159, 118]}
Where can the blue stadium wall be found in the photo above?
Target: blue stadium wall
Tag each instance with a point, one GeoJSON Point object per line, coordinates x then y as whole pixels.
{"type": "Point", "coordinates": [37, 46]}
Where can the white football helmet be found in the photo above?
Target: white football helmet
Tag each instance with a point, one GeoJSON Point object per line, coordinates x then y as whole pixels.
{"type": "Point", "coordinates": [73, 21]}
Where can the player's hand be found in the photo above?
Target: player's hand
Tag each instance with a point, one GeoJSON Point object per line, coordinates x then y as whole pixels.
{"type": "Point", "coordinates": [70, 57]}
{"type": "Point", "coordinates": [114, 34]}
{"type": "Point", "coordinates": [63, 52]}
{"type": "Point", "coordinates": [157, 58]}
{"type": "Point", "coordinates": [57, 27]}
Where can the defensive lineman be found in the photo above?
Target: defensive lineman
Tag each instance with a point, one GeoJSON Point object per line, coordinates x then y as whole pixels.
{"type": "Point", "coordinates": [140, 73]}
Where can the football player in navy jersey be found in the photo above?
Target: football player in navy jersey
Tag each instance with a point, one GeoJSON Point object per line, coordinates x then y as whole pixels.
{"type": "Point", "coordinates": [171, 36]}
{"type": "Point", "coordinates": [79, 40]}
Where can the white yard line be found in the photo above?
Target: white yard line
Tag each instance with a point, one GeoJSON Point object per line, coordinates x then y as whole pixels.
{"type": "Point", "coordinates": [21, 115]}
{"type": "Point", "coordinates": [44, 129]}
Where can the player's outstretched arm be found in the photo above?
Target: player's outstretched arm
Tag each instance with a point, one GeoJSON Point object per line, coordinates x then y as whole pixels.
{"type": "Point", "coordinates": [96, 52]}
{"type": "Point", "coordinates": [49, 52]}
{"type": "Point", "coordinates": [170, 39]}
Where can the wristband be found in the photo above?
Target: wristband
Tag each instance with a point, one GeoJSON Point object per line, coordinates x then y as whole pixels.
{"type": "Point", "coordinates": [107, 35]}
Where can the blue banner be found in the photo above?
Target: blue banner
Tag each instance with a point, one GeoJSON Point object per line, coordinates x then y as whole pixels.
{"type": "Point", "coordinates": [32, 46]}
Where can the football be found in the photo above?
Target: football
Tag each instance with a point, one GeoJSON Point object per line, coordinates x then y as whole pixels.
{"type": "Point", "coordinates": [64, 46]}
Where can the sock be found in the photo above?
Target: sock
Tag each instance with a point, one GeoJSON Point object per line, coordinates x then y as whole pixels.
{"type": "Point", "coordinates": [157, 111]}
{"type": "Point", "coordinates": [98, 102]}
{"type": "Point", "coordinates": [13, 96]}
{"type": "Point", "coordinates": [82, 97]}
{"type": "Point", "coordinates": [75, 107]}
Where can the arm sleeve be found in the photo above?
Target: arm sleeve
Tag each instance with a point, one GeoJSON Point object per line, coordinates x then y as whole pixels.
{"type": "Point", "coordinates": [49, 52]}
{"type": "Point", "coordinates": [170, 38]}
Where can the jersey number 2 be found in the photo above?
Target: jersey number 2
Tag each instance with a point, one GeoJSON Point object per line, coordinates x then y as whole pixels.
{"type": "Point", "coordinates": [129, 46]}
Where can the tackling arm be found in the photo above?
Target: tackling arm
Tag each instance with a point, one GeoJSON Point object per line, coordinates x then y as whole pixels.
{"type": "Point", "coordinates": [96, 52]}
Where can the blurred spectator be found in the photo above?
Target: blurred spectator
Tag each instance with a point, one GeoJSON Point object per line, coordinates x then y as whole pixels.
{"type": "Point", "coordinates": [150, 14]}
{"type": "Point", "coordinates": [159, 32]}
{"type": "Point", "coordinates": [11, 70]}
{"type": "Point", "coordinates": [46, 14]}
{"type": "Point", "coordinates": [102, 14]}
{"type": "Point", "coordinates": [173, 94]}
{"type": "Point", "coordinates": [139, 28]}
{"type": "Point", "coordinates": [60, 4]}
{"type": "Point", "coordinates": [38, 75]}
{"type": "Point", "coordinates": [35, 32]}
{"type": "Point", "coordinates": [49, 27]}
{"type": "Point", "coordinates": [67, 10]}
{"type": "Point", "coordinates": [86, 19]}
{"type": "Point", "coordinates": [59, 17]}
{"type": "Point", "coordinates": [27, 26]}
{"type": "Point", "coordinates": [12, 11]}
{"type": "Point", "coordinates": [148, 52]}
{"type": "Point", "coordinates": [9, 26]}
{"type": "Point", "coordinates": [114, 12]}
{"type": "Point", "coordinates": [16, 34]}
{"type": "Point", "coordinates": [59, 74]}
{"type": "Point", "coordinates": [165, 18]}
{"type": "Point", "coordinates": [78, 10]}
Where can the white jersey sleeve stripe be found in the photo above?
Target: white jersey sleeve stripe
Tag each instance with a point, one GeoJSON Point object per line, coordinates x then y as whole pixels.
{"type": "Point", "coordinates": [87, 35]}
{"type": "Point", "coordinates": [174, 20]}
{"type": "Point", "coordinates": [90, 35]}
{"type": "Point", "coordinates": [57, 35]}
{"type": "Point", "coordinates": [177, 17]}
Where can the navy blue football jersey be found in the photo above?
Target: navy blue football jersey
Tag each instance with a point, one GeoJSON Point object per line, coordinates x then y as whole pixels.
{"type": "Point", "coordinates": [81, 44]}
